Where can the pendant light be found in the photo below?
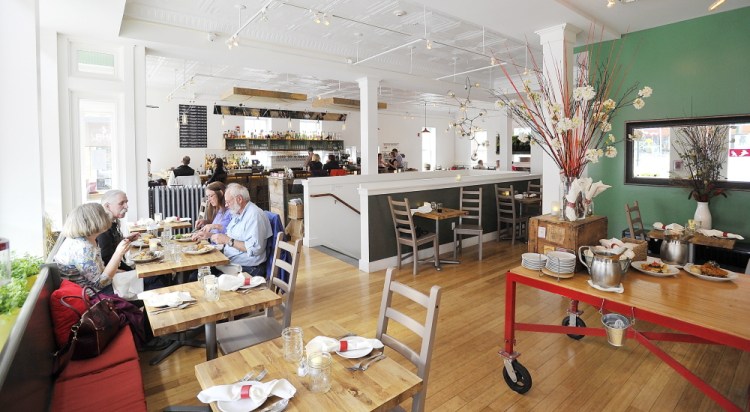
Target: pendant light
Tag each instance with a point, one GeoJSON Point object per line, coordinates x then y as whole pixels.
{"type": "Point", "coordinates": [425, 130]}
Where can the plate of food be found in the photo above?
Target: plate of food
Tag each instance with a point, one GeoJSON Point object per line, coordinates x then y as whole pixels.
{"type": "Point", "coordinates": [655, 268]}
{"type": "Point", "coordinates": [143, 242]}
{"type": "Point", "coordinates": [198, 249]}
{"type": "Point", "coordinates": [710, 271]}
{"type": "Point", "coordinates": [146, 256]}
{"type": "Point", "coordinates": [184, 238]}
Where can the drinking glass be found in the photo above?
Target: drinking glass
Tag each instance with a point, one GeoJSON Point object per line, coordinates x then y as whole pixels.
{"type": "Point", "coordinates": [319, 372]}
{"type": "Point", "coordinates": [176, 252]}
{"type": "Point", "coordinates": [440, 208]}
{"type": "Point", "coordinates": [211, 288]}
{"type": "Point", "coordinates": [166, 233]}
{"type": "Point", "coordinates": [203, 271]}
{"type": "Point", "coordinates": [157, 217]}
{"type": "Point", "coordinates": [293, 345]}
{"type": "Point", "coordinates": [153, 244]}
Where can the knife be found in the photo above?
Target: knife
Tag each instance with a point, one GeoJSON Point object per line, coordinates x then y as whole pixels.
{"type": "Point", "coordinates": [277, 406]}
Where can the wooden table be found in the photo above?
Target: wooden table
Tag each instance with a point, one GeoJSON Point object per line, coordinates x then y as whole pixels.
{"type": "Point", "coordinates": [160, 226]}
{"type": "Point", "coordinates": [206, 313]}
{"type": "Point", "coordinates": [703, 311]}
{"type": "Point", "coordinates": [188, 262]}
{"type": "Point", "coordinates": [699, 239]}
{"type": "Point", "coordinates": [528, 201]}
{"type": "Point", "coordinates": [437, 217]}
{"type": "Point", "coordinates": [383, 386]}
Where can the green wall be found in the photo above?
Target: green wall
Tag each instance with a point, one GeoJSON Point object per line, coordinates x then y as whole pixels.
{"type": "Point", "coordinates": [699, 67]}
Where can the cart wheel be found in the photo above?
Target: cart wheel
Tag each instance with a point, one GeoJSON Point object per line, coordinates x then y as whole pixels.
{"type": "Point", "coordinates": [523, 378]}
{"type": "Point", "coordinates": [579, 324]}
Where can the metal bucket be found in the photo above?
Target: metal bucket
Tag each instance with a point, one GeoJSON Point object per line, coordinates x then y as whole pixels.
{"type": "Point", "coordinates": [616, 326]}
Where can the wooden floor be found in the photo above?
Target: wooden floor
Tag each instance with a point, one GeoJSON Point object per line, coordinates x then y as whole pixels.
{"type": "Point", "coordinates": [568, 375]}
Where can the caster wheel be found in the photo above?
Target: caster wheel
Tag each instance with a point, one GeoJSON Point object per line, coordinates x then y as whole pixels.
{"type": "Point", "coordinates": [579, 324]}
{"type": "Point", "coordinates": [523, 378]}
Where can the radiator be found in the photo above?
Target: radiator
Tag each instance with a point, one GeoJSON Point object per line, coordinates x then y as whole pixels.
{"type": "Point", "coordinates": [181, 201]}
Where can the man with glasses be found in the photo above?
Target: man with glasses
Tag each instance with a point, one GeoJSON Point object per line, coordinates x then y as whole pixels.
{"type": "Point", "coordinates": [247, 233]}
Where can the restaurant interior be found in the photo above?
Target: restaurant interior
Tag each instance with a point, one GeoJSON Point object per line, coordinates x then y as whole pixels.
{"type": "Point", "coordinates": [618, 208]}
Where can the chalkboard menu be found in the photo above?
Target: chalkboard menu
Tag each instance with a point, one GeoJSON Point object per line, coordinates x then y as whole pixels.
{"type": "Point", "coordinates": [193, 132]}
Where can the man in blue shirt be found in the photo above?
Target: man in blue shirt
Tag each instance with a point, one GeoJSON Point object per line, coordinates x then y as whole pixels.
{"type": "Point", "coordinates": [247, 232]}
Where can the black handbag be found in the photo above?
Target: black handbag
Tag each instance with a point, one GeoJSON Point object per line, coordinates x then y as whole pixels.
{"type": "Point", "coordinates": [90, 336]}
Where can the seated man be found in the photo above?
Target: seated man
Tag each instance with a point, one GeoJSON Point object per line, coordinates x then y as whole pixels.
{"type": "Point", "coordinates": [247, 232]}
{"type": "Point", "coordinates": [115, 203]}
{"type": "Point", "coordinates": [184, 169]}
{"type": "Point", "coordinates": [397, 160]}
{"type": "Point", "coordinates": [331, 164]}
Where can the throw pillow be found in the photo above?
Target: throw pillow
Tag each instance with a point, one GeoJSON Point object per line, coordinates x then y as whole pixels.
{"type": "Point", "coordinates": [63, 318]}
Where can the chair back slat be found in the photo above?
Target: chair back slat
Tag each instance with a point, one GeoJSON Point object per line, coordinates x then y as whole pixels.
{"type": "Point", "coordinates": [635, 221]}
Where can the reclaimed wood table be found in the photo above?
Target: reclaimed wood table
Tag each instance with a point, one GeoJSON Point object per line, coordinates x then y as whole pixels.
{"type": "Point", "coordinates": [701, 311]}
{"type": "Point", "coordinates": [383, 386]}
{"type": "Point", "coordinates": [697, 239]}
{"type": "Point", "coordinates": [160, 226]}
{"type": "Point", "coordinates": [205, 313]}
{"type": "Point", "coordinates": [444, 214]}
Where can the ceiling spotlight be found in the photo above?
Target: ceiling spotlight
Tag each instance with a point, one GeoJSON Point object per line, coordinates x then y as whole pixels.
{"type": "Point", "coordinates": [316, 17]}
{"type": "Point", "coordinates": [610, 3]}
{"type": "Point", "coordinates": [715, 4]}
{"type": "Point", "coordinates": [493, 61]}
{"type": "Point", "coordinates": [429, 44]}
{"type": "Point", "coordinates": [326, 22]}
{"type": "Point", "coordinates": [343, 126]}
{"type": "Point", "coordinates": [211, 36]}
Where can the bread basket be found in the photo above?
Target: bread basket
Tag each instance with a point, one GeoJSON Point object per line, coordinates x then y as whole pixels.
{"type": "Point", "coordinates": [640, 249]}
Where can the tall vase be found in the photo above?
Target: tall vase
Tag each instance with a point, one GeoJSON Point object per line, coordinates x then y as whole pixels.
{"type": "Point", "coordinates": [572, 209]}
{"type": "Point", "coordinates": [703, 215]}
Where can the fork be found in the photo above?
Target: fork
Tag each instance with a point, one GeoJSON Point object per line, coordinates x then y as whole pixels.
{"type": "Point", "coordinates": [248, 290]}
{"type": "Point", "coordinates": [358, 366]}
{"type": "Point", "coordinates": [250, 375]}
{"type": "Point", "coordinates": [377, 358]}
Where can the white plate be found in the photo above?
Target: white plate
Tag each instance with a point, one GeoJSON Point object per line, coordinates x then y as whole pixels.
{"type": "Point", "coordinates": [673, 270]}
{"type": "Point", "coordinates": [357, 353]}
{"type": "Point", "coordinates": [185, 238]}
{"type": "Point", "coordinates": [141, 243]}
{"type": "Point", "coordinates": [205, 249]}
{"type": "Point", "coordinates": [695, 271]}
{"type": "Point", "coordinates": [157, 255]}
{"type": "Point", "coordinates": [255, 281]}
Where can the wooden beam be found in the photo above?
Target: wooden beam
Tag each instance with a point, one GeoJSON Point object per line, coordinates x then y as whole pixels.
{"type": "Point", "coordinates": [340, 102]}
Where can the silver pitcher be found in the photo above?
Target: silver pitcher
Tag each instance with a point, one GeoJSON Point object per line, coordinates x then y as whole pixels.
{"type": "Point", "coordinates": [674, 249]}
{"type": "Point", "coordinates": [605, 268]}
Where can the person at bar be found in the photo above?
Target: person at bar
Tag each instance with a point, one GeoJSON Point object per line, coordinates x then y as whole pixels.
{"type": "Point", "coordinates": [220, 174]}
{"type": "Point", "coordinates": [184, 169]}
{"type": "Point", "coordinates": [316, 167]}
{"type": "Point", "coordinates": [310, 155]}
{"type": "Point", "coordinates": [247, 232]}
{"type": "Point", "coordinates": [331, 164]}
{"type": "Point", "coordinates": [397, 161]}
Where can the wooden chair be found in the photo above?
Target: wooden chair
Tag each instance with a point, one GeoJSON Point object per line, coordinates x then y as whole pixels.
{"type": "Point", "coordinates": [406, 233]}
{"type": "Point", "coordinates": [508, 220]}
{"type": "Point", "coordinates": [426, 331]}
{"type": "Point", "coordinates": [535, 189]}
{"type": "Point", "coordinates": [471, 224]}
{"type": "Point", "coordinates": [635, 222]}
{"type": "Point", "coordinates": [239, 334]}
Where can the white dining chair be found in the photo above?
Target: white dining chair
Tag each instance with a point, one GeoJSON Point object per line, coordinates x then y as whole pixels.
{"type": "Point", "coordinates": [425, 330]}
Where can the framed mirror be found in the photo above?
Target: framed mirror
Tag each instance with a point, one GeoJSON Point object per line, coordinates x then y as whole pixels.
{"type": "Point", "coordinates": [653, 160]}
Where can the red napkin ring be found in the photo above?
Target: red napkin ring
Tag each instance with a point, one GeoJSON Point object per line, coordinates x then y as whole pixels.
{"type": "Point", "coordinates": [343, 345]}
{"type": "Point", "coordinates": [570, 204]}
{"type": "Point", "coordinates": [245, 391]}
{"type": "Point", "coordinates": [247, 281]}
{"type": "Point", "coordinates": [725, 234]}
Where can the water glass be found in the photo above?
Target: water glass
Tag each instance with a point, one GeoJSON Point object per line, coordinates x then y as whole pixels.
{"type": "Point", "coordinates": [153, 244]}
{"type": "Point", "coordinates": [211, 288]}
{"type": "Point", "coordinates": [293, 345]}
{"type": "Point", "coordinates": [319, 372]}
{"type": "Point", "coordinates": [176, 251]}
{"type": "Point", "coordinates": [166, 233]}
{"type": "Point", "coordinates": [440, 208]}
{"type": "Point", "coordinates": [203, 271]}
{"type": "Point", "coordinates": [157, 217]}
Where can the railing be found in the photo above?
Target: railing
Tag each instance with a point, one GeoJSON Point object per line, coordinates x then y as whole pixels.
{"type": "Point", "coordinates": [338, 199]}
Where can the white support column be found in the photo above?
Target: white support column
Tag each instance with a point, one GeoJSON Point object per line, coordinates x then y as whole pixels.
{"type": "Point", "coordinates": [368, 111]}
{"type": "Point", "coordinates": [21, 197]}
{"type": "Point", "coordinates": [557, 48]}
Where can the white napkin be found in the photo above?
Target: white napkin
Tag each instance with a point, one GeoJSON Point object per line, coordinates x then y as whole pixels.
{"type": "Point", "coordinates": [171, 219]}
{"type": "Point", "coordinates": [595, 189]}
{"type": "Point", "coordinates": [575, 189]}
{"type": "Point", "coordinates": [611, 243]}
{"type": "Point", "coordinates": [672, 226]}
{"type": "Point", "coordinates": [426, 208]}
{"type": "Point", "coordinates": [719, 233]}
{"type": "Point", "coordinates": [326, 344]}
{"type": "Point", "coordinates": [233, 282]}
{"type": "Point", "coordinates": [127, 285]}
{"type": "Point", "coordinates": [151, 298]}
{"type": "Point", "coordinates": [246, 396]}
{"type": "Point", "coordinates": [518, 196]}
{"type": "Point", "coordinates": [618, 289]}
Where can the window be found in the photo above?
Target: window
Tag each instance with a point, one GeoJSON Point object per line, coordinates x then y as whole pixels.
{"type": "Point", "coordinates": [88, 61]}
{"type": "Point", "coordinates": [257, 127]}
{"type": "Point", "coordinates": [310, 128]}
{"type": "Point", "coordinates": [97, 132]}
{"type": "Point", "coordinates": [429, 150]}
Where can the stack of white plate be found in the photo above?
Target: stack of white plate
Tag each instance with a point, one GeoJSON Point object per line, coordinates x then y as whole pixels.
{"type": "Point", "coordinates": [561, 262]}
{"type": "Point", "coordinates": [533, 261]}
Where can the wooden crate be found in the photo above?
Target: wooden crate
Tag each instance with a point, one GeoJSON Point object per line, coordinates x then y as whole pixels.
{"type": "Point", "coordinates": [548, 233]}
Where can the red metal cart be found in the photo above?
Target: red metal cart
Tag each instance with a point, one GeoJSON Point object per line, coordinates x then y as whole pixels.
{"type": "Point", "coordinates": [699, 310]}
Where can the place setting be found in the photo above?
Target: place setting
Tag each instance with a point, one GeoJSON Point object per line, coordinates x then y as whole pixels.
{"type": "Point", "coordinates": [241, 282]}
{"type": "Point", "coordinates": [250, 393]}
{"type": "Point", "coordinates": [164, 302]}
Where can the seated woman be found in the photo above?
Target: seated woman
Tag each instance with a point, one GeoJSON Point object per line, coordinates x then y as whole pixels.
{"type": "Point", "coordinates": [80, 261]}
{"type": "Point", "coordinates": [219, 175]}
{"type": "Point", "coordinates": [216, 213]}
{"type": "Point", "coordinates": [316, 167]}
{"type": "Point", "coordinates": [331, 164]}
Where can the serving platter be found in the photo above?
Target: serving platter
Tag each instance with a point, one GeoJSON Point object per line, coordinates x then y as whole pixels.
{"type": "Point", "coordinates": [672, 270]}
{"type": "Point", "coordinates": [696, 271]}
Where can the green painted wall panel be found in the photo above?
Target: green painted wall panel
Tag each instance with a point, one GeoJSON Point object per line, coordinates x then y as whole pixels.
{"type": "Point", "coordinates": [699, 67]}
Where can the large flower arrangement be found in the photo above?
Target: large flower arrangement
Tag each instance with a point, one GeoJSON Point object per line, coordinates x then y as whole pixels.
{"type": "Point", "coordinates": [572, 122]}
{"type": "Point", "coordinates": [703, 150]}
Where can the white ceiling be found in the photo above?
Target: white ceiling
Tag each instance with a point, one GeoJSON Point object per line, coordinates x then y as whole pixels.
{"type": "Point", "coordinates": [288, 51]}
